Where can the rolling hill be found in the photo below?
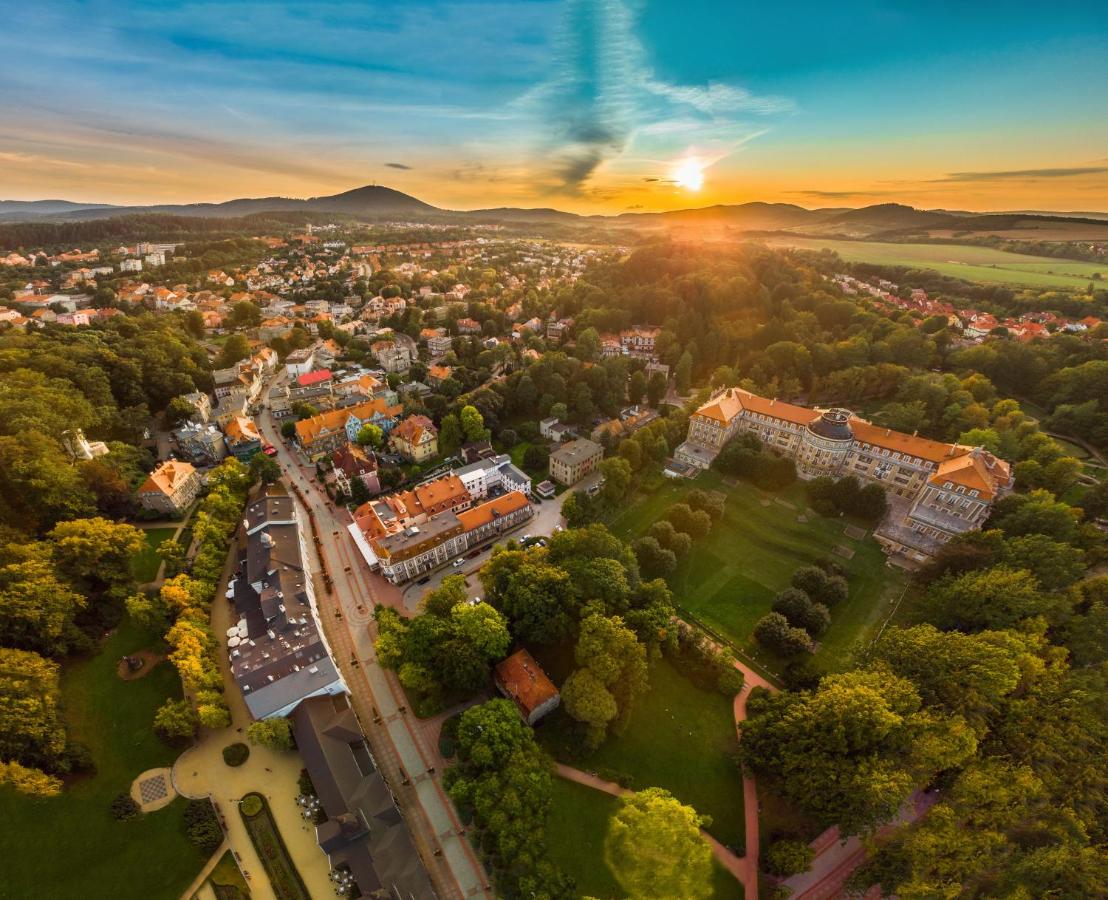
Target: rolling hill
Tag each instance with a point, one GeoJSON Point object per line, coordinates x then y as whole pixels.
{"type": "Point", "coordinates": [884, 221]}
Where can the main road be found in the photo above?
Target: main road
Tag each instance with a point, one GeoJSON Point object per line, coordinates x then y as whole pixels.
{"type": "Point", "coordinates": [346, 609]}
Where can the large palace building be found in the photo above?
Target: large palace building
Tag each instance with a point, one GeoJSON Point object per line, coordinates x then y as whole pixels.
{"type": "Point", "coordinates": [936, 490]}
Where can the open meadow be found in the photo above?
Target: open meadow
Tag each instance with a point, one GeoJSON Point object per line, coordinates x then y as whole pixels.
{"type": "Point", "coordinates": [965, 261]}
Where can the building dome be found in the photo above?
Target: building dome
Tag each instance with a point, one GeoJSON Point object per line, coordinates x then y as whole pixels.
{"type": "Point", "coordinates": [833, 425]}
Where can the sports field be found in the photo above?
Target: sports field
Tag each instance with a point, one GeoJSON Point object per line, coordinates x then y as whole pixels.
{"type": "Point", "coordinates": [965, 261]}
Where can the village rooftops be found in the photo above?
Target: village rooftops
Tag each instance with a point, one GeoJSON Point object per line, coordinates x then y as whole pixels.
{"type": "Point", "coordinates": [318, 377]}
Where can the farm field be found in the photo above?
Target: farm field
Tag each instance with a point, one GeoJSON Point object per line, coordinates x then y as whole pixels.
{"type": "Point", "coordinates": [965, 261]}
{"type": "Point", "coordinates": [731, 577]}
{"type": "Point", "coordinates": [148, 856]}
{"type": "Point", "coordinates": [575, 838]}
{"type": "Point", "coordinates": [680, 738]}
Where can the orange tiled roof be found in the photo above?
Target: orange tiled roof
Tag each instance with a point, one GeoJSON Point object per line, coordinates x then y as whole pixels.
{"type": "Point", "coordinates": [442, 493]}
{"type": "Point", "coordinates": [910, 444]}
{"type": "Point", "coordinates": [977, 470]}
{"type": "Point", "coordinates": [490, 509]}
{"type": "Point", "coordinates": [167, 478]}
{"type": "Point", "coordinates": [525, 682]}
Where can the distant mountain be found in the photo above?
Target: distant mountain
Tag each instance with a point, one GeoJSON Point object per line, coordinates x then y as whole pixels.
{"type": "Point", "coordinates": [892, 221]}
{"type": "Point", "coordinates": [21, 210]}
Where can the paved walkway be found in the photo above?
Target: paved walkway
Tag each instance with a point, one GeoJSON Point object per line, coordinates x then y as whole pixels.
{"type": "Point", "coordinates": [727, 859]}
{"type": "Point", "coordinates": [749, 878]}
{"type": "Point", "coordinates": [195, 889]}
{"type": "Point", "coordinates": [201, 772]}
{"type": "Point", "coordinates": [153, 789]}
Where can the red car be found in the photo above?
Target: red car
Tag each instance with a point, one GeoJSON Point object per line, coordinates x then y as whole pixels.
{"type": "Point", "coordinates": [269, 450]}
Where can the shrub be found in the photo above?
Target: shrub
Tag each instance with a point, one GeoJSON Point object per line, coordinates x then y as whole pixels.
{"type": "Point", "coordinates": [236, 754]}
{"type": "Point", "coordinates": [124, 807]}
{"type": "Point", "coordinates": [202, 826]}
{"type": "Point", "coordinates": [654, 559]}
{"type": "Point", "coordinates": [819, 586]}
{"type": "Point", "coordinates": [251, 805]}
{"type": "Point", "coordinates": [536, 458]}
{"type": "Point", "coordinates": [798, 608]}
{"type": "Point", "coordinates": [304, 784]}
{"type": "Point", "coordinates": [788, 857]}
{"type": "Point", "coordinates": [774, 632]}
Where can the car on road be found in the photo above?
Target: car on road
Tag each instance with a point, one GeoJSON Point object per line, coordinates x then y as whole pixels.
{"type": "Point", "coordinates": [458, 562]}
{"type": "Point", "coordinates": [424, 579]}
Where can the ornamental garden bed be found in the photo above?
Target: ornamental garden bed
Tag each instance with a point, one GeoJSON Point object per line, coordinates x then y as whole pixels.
{"type": "Point", "coordinates": [266, 838]}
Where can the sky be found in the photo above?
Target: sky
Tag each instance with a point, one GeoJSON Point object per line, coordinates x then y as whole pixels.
{"type": "Point", "coordinates": [596, 106]}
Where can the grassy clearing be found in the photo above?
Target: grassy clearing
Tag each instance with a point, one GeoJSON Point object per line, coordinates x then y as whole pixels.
{"type": "Point", "coordinates": [226, 880]}
{"type": "Point", "coordinates": [680, 738]}
{"type": "Point", "coordinates": [145, 563]}
{"type": "Point", "coordinates": [70, 846]}
{"type": "Point", "coordinates": [575, 837]}
{"type": "Point", "coordinates": [965, 261]}
{"type": "Point", "coordinates": [730, 578]}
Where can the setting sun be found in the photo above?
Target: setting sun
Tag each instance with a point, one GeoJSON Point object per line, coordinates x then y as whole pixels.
{"type": "Point", "coordinates": [689, 175]}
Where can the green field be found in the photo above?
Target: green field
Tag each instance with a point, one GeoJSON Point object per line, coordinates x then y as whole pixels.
{"type": "Point", "coordinates": [680, 738]}
{"type": "Point", "coordinates": [964, 261]}
{"type": "Point", "coordinates": [731, 577]}
{"type": "Point", "coordinates": [146, 562]}
{"type": "Point", "coordinates": [70, 846]}
{"type": "Point", "coordinates": [575, 838]}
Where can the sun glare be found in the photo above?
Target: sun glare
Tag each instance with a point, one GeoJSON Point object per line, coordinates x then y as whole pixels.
{"type": "Point", "coordinates": [689, 175]}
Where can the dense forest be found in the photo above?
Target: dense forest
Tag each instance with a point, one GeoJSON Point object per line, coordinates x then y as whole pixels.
{"type": "Point", "coordinates": [65, 558]}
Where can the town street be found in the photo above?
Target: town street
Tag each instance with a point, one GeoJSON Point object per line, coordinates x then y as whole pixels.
{"type": "Point", "coordinates": [378, 699]}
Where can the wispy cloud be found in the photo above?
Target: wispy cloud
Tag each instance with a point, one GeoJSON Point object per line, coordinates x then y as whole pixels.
{"type": "Point", "coordinates": [1017, 174]}
{"type": "Point", "coordinates": [603, 103]}
{"type": "Point", "coordinates": [396, 165]}
{"type": "Point", "coordinates": [841, 195]}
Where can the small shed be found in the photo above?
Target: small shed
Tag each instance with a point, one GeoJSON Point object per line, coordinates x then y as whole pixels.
{"type": "Point", "coordinates": [522, 680]}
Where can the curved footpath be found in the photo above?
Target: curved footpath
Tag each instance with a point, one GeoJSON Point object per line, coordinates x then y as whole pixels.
{"type": "Point", "coordinates": [744, 868]}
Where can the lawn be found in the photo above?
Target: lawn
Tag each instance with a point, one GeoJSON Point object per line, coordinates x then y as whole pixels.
{"type": "Point", "coordinates": [575, 838]}
{"type": "Point", "coordinates": [70, 846]}
{"type": "Point", "coordinates": [145, 563]}
{"type": "Point", "coordinates": [731, 577]}
{"type": "Point", "coordinates": [965, 261]}
{"type": "Point", "coordinates": [680, 738]}
{"type": "Point", "coordinates": [226, 880]}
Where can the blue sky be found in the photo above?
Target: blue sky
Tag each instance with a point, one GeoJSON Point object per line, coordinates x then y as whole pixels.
{"type": "Point", "coordinates": [594, 105]}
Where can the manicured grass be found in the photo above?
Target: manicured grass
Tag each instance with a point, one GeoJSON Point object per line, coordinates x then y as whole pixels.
{"type": "Point", "coordinates": [680, 738]}
{"type": "Point", "coordinates": [266, 838]}
{"type": "Point", "coordinates": [70, 846]}
{"type": "Point", "coordinates": [965, 261]}
{"type": "Point", "coordinates": [731, 577]}
{"type": "Point", "coordinates": [227, 881]}
{"type": "Point", "coordinates": [575, 835]}
{"type": "Point", "coordinates": [145, 563]}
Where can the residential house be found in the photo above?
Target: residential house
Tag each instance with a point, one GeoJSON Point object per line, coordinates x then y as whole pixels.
{"type": "Point", "coordinates": [392, 356]}
{"type": "Point", "coordinates": [351, 463]}
{"type": "Point", "coordinates": [438, 374]}
{"type": "Point", "coordinates": [521, 679]}
{"type": "Point", "coordinates": [171, 488]}
{"type": "Point", "coordinates": [573, 461]}
{"type": "Point", "coordinates": [202, 443]}
{"type": "Point", "coordinates": [243, 438]}
{"type": "Point", "coordinates": [416, 439]}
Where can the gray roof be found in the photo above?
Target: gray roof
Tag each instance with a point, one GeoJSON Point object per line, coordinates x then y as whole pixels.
{"type": "Point", "coordinates": [284, 656]}
{"type": "Point", "coordinates": [364, 829]}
